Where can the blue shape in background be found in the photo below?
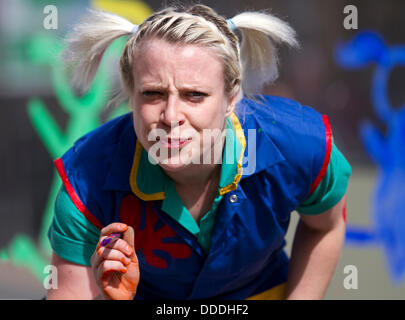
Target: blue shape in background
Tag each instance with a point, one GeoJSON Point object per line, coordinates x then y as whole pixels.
{"type": "Point", "coordinates": [387, 152]}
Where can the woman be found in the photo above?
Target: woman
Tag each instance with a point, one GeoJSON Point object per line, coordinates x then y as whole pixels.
{"type": "Point", "coordinates": [150, 209]}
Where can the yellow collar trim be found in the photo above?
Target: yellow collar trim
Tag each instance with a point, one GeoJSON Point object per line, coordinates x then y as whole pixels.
{"type": "Point", "coordinates": [134, 174]}
{"type": "Point", "coordinates": [242, 140]}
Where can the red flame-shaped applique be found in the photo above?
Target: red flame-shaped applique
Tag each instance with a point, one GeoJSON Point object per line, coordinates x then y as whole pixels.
{"type": "Point", "coordinates": [148, 239]}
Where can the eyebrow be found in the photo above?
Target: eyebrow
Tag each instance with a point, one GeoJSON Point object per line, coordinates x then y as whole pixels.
{"type": "Point", "coordinates": [152, 85]}
{"type": "Point", "coordinates": [159, 86]}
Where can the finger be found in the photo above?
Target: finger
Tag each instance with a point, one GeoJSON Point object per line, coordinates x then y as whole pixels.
{"type": "Point", "coordinates": [120, 245]}
{"type": "Point", "coordinates": [115, 227]}
{"type": "Point", "coordinates": [104, 241]}
{"type": "Point", "coordinates": [113, 254]}
{"type": "Point", "coordinates": [95, 257]}
{"type": "Point", "coordinates": [129, 236]}
{"type": "Point", "coordinates": [109, 254]}
{"type": "Point", "coordinates": [108, 266]}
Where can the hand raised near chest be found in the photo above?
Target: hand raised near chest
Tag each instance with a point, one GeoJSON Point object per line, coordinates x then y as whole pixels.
{"type": "Point", "coordinates": [115, 264]}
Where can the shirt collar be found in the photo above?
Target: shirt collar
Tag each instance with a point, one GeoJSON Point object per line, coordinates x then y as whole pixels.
{"type": "Point", "coordinates": [261, 151]}
{"type": "Point", "coordinates": [149, 182]}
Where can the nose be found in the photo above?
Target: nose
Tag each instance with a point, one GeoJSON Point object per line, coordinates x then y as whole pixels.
{"type": "Point", "coordinates": [171, 114]}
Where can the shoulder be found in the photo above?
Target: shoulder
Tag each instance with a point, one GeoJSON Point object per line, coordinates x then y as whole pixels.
{"type": "Point", "coordinates": [85, 169]}
{"type": "Point", "coordinates": [94, 152]}
{"type": "Point", "coordinates": [300, 134]}
{"type": "Point", "coordinates": [290, 125]}
{"type": "Point", "coordinates": [277, 115]}
{"type": "Point", "coordinates": [100, 142]}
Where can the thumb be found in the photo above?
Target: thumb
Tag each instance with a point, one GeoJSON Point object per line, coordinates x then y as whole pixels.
{"type": "Point", "coordinates": [129, 237]}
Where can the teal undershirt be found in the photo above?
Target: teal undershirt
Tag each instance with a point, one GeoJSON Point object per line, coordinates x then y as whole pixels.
{"type": "Point", "coordinates": [332, 187]}
{"type": "Point", "coordinates": [74, 238]}
{"type": "Point", "coordinates": [151, 179]}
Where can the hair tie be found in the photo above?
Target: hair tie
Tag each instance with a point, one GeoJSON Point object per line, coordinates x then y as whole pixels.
{"type": "Point", "coordinates": [231, 24]}
{"type": "Point", "coordinates": [134, 29]}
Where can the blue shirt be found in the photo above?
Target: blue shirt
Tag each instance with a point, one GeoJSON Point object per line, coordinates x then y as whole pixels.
{"type": "Point", "coordinates": [294, 167]}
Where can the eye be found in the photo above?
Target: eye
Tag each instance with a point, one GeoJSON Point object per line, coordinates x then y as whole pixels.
{"type": "Point", "coordinates": [196, 95]}
{"type": "Point", "coordinates": [151, 93]}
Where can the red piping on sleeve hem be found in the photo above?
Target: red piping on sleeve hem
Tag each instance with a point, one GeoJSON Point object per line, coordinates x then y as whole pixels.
{"type": "Point", "coordinates": [344, 212]}
{"type": "Point", "coordinates": [73, 195]}
{"type": "Point", "coordinates": [326, 160]}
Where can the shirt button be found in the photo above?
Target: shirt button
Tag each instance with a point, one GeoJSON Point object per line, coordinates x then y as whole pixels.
{"type": "Point", "coordinates": [233, 198]}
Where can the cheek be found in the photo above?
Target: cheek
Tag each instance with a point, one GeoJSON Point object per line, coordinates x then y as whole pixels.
{"type": "Point", "coordinates": [211, 116]}
{"type": "Point", "coordinates": [142, 124]}
{"type": "Point", "coordinates": [144, 116]}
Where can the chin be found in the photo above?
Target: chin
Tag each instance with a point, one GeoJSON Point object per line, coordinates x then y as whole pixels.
{"type": "Point", "coordinates": [174, 164]}
{"type": "Point", "coordinates": [172, 167]}
{"type": "Point", "coordinates": [175, 160]}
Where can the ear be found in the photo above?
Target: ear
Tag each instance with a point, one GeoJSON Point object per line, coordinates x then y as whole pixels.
{"type": "Point", "coordinates": [231, 104]}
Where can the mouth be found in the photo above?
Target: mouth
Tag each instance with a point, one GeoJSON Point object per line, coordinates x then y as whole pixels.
{"type": "Point", "coordinates": [175, 142]}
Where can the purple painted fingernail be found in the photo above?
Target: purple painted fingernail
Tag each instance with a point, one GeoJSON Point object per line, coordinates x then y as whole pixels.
{"type": "Point", "coordinates": [106, 241]}
{"type": "Point", "coordinates": [110, 237]}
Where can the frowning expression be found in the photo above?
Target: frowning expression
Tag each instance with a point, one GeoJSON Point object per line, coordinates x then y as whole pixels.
{"type": "Point", "coordinates": [179, 90]}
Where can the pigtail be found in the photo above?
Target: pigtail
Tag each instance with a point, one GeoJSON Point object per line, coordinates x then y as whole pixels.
{"type": "Point", "coordinates": [87, 43]}
{"type": "Point", "coordinates": [260, 33]}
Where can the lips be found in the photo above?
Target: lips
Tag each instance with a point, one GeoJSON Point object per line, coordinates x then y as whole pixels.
{"type": "Point", "coordinates": [171, 142]}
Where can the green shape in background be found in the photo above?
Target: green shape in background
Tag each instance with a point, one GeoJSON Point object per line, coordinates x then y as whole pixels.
{"type": "Point", "coordinates": [43, 49]}
{"type": "Point", "coordinates": [84, 115]}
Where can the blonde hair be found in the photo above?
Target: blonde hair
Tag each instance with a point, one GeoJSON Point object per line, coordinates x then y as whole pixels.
{"type": "Point", "coordinates": [248, 65]}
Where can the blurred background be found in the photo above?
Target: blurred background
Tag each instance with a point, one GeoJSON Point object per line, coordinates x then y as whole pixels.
{"type": "Point", "coordinates": [354, 75]}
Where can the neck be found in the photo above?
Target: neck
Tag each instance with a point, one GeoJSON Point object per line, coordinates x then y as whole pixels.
{"type": "Point", "coordinates": [196, 176]}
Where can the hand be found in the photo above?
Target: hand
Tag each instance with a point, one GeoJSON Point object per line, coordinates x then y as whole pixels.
{"type": "Point", "coordinates": [115, 264]}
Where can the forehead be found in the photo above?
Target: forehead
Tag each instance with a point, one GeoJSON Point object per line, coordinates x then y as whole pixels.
{"type": "Point", "coordinates": [158, 59]}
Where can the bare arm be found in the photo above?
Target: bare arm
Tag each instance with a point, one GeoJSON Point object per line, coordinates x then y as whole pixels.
{"type": "Point", "coordinates": [316, 249]}
{"type": "Point", "coordinates": [75, 282]}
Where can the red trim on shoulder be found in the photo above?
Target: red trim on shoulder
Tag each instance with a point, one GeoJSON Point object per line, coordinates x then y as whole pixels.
{"type": "Point", "coordinates": [326, 160]}
{"type": "Point", "coordinates": [73, 195]}
{"type": "Point", "coordinates": [344, 212]}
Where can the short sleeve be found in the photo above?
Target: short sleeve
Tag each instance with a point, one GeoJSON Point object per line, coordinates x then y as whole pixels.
{"type": "Point", "coordinates": [71, 235]}
{"type": "Point", "coordinates": [332, 187]}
